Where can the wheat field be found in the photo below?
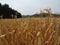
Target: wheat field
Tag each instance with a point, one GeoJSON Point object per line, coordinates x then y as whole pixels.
{"type": "Point", "coordinates": [30, 31]}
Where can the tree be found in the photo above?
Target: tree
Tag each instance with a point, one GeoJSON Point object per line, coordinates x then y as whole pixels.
{"type": "Point", "coordinates": [7, 12]}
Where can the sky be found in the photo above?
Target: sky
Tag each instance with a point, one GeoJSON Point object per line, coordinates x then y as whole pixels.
{"type": "Point", "coordinates": [29, 7]}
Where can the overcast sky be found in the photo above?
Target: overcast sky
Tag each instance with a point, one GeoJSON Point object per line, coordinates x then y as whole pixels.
{"type": "Point", "coordinates": [26, 7]}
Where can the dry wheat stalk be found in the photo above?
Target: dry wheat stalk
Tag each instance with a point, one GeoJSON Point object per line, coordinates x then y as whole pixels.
{"type": "Point", "coordinates": [48, 29]}
{"type": "Point", "coordinates": [7, 33]}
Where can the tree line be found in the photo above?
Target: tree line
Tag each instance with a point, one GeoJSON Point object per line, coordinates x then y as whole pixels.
{"type": "Point", "coordinates": [7, 12]}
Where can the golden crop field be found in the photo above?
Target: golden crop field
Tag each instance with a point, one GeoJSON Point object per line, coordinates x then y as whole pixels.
{"type": "Point", "coordinates": [30, 31]}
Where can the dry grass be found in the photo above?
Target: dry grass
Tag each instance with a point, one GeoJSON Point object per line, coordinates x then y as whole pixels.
{"type": "Point", "coordinates": [30, 31]}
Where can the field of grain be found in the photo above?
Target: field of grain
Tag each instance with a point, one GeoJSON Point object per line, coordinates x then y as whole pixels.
{"type": "Point", "coordinates": [30, 31]}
